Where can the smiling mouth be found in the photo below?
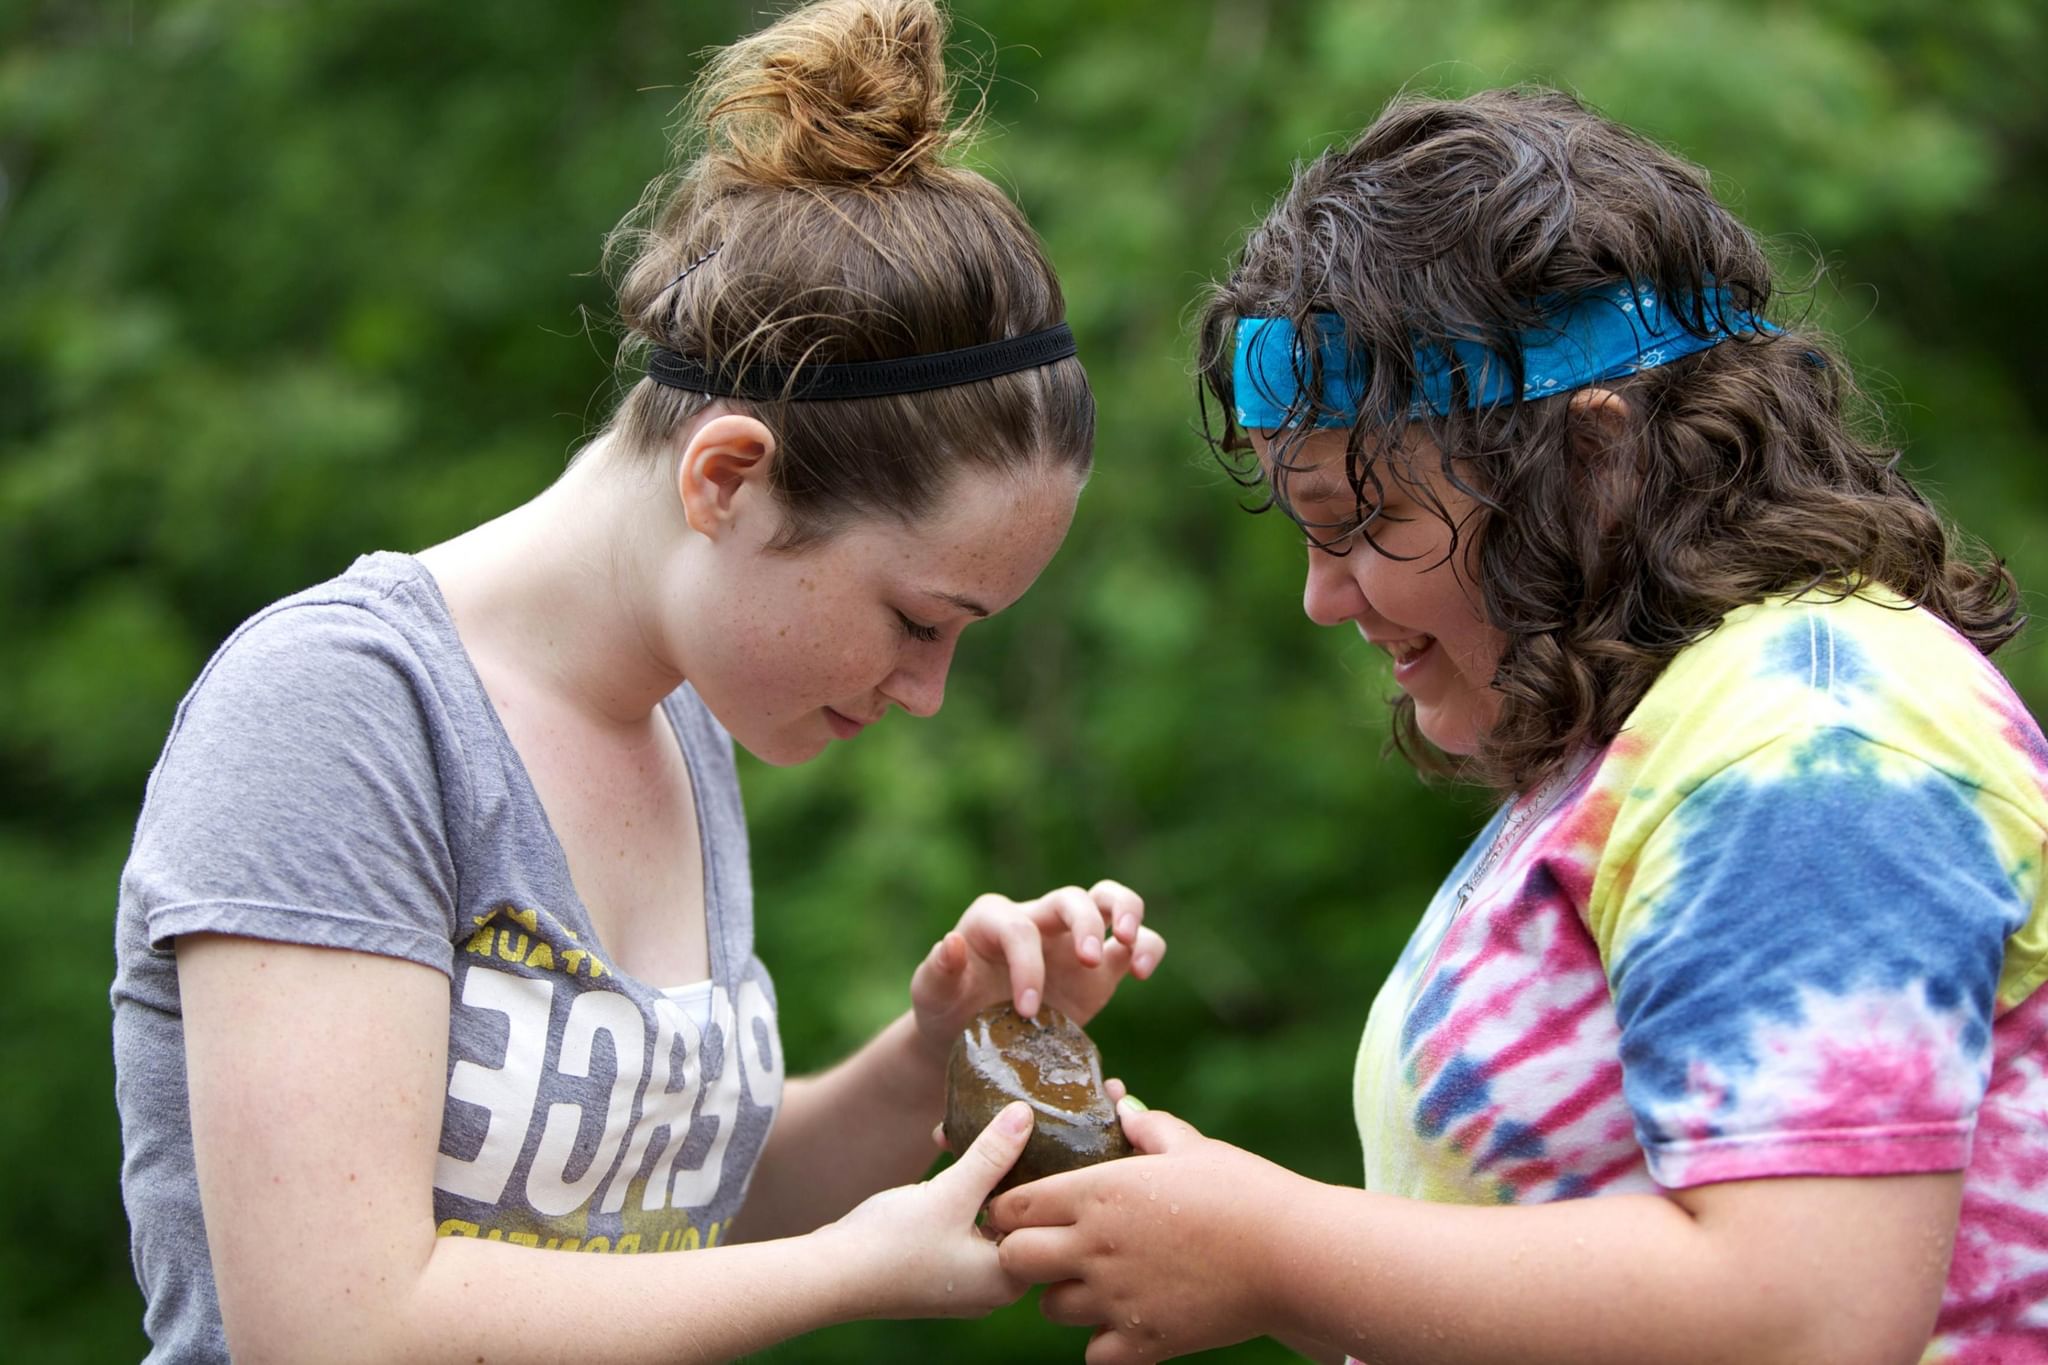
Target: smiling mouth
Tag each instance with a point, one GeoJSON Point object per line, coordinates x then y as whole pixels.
{"type": "Point", "coordinates": [1408, 651]}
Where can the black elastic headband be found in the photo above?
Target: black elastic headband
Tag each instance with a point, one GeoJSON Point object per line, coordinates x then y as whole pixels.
{"type": "Point", "coordinates": [772, 382]}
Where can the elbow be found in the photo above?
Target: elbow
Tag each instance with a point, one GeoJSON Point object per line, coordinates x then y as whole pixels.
{"type": "Point", "coordinates": [308, 1341]}
{"type": "Point", "coordinates": [1861, 1351]}
{"type": "Point", "coordinates": [342, 1327]}
{"type": "Point", "coordinates": [308, 1344]}
{"type": "Point", "coordinates": [1845, 1337]}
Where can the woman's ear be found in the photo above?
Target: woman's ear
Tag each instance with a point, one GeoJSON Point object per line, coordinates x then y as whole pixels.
{"type": "Point", "coordinates": [723, 470]}
{"type": "Point", "coordinates": [1601, 427]}
{"type": "Point", "coordinates": [1599, 421]}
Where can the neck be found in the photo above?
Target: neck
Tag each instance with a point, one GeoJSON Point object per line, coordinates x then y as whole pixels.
{"type": "Point", "coordinates": [556, 591]}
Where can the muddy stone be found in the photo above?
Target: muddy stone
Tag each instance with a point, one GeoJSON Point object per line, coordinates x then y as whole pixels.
{"type": "Point", "coordinates": [1050, 1063]}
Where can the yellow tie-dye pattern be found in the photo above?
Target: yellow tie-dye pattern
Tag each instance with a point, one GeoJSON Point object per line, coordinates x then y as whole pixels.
{"type": "Point", "coordinates": [1725, 702]}
{"type": "Point", "coordinates": [1740, 697]}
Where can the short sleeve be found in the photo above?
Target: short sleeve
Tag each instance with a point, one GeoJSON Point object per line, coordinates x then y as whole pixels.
{"type": "Point", "coordinates": [1806, 965]}
{"type": "Point", "coordinates": [303, 795]}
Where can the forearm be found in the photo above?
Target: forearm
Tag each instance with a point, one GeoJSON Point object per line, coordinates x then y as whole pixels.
{"type": "Point", "coordinates": [711, 1305]}
{"type": "Point", "coordinates": [475, 1300]}
{"type": "Point", "coordinates": [863, 1126]}
{"type": "Point", "coordinates": [1395, 1281]}
{"type": "Point", "coordinates": [1587, 1282]}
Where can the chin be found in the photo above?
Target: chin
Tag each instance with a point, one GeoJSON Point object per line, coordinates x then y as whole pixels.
{"type": "Point", "coordinates": [783, 753]}
{"type": "Point", "coordinates": [1458, 740]}
{"type": "Point", "coordinates": [780, 749]}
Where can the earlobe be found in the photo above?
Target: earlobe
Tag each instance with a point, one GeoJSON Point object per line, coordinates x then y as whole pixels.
{"type": "Point", "coordinates": [724, 460]}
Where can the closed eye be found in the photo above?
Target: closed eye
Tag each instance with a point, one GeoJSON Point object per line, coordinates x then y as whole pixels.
{"type": "Point", "coordinates": [917, 631]}
{"type": "Point", "coordinates": [1335, 540]}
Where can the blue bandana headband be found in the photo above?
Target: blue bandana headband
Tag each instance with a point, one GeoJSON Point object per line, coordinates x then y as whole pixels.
{"type": "Point", "coordinates": [1607, 333]}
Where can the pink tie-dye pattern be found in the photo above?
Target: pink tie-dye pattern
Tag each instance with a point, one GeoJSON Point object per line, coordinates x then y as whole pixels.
{"type": "Point", "coordinates": [1871, 1082]}
{"type": "Point", "coordinates": [1531, 981]}
{"type": "Point", "coordinates": [2020, 731]}
{"type": "Point", "coordinates": [1995, 1306]}
{"type": "Point", "coordinates": [1859, 1085]}
{"type": "Point", "coordinates": [1505, 942]}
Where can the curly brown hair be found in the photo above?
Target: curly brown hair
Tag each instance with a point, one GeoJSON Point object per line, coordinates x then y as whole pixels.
{"type": "Point", "coordinates": [1752, 469]}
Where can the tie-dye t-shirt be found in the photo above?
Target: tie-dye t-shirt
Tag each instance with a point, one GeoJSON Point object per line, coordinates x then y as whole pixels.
{"type": "Point", "coordinates": [1790, 922]}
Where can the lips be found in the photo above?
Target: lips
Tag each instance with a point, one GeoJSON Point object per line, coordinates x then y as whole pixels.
{"type": "Point", "coordinates": [843, 725]}
{"type": "Point", "coordinates": [1406, 650]}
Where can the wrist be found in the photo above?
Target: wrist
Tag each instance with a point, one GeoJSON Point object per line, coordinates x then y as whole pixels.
{"type": "Point", "coordinates": [1286, 1256]}
{"type": "Point", "coordinates": [841, 1281]}
{"type": "Point", "coordinates": [909, 1066]}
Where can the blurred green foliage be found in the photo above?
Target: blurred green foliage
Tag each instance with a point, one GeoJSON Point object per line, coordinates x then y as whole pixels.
{"type": "Point", "coordinates": [280, 283]}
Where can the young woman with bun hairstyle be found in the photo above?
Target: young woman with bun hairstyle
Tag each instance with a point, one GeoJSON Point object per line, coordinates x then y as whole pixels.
{"type": "Point", "coordinates": [1726, 1040]}
{"type": "Point", "coordinates": [437, 1014]}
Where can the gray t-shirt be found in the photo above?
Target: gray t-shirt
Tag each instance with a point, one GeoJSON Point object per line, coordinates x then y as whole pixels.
{"type": "Point", "coordinates": [338, 777]}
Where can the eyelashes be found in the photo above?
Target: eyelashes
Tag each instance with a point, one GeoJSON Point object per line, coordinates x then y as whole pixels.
{"type": "Point", "coordinates": [1315, 538]}
{"type": "Point", "coordinates": [916, 631]}
{"type": "Point", "coordinates": [1338, 541]}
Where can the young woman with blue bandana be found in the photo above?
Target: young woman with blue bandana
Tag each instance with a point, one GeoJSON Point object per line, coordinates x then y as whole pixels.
{"type": "Point", "coordinates": [1724, 1041]}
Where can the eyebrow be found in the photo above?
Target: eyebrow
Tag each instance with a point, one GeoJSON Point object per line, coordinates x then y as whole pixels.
{"type": "Point", "coordinates": [965, 604]}
{"type": "Point", "coordinates": [1313, 489]}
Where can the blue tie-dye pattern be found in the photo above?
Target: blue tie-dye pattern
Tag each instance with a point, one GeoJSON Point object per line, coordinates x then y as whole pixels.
{"type": "Point", "coordinates": [1810, 651]}
{"type": "Point", "coordinates": [1461, 1088]}
{"type": "Point", "coordinates": [1832, 878]}
{"type": "Point", "coordinates": [1513, 1140]}
{"type": "Point", "coordinates": [1431, 1000]}
{"type": "Point", "coordinates": [1431, 1009]}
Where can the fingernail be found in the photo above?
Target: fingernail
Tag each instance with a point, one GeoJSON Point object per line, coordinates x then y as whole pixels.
{"type": "Point", "coordinates": [1126, 926]}
{"type": "Point", "coordinates": [1133, 1103]}
{"type": "Point", "coordinates": [1142, 963]}
{"type": "Point", "coordinates": [1091, 947]}
{"type": "Point", "coordinates": [1027, 1004]}
{"type": "Point", "coordinates": [1016, 1119]}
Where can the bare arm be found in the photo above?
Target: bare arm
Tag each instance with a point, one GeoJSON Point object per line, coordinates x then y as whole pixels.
{"type": "Point", "coordinates": [1812, 1271]}
{"type": "Point", "coordinates": [316, 1164]}
{"type": "Point", "coordinates": [1840, 1271]}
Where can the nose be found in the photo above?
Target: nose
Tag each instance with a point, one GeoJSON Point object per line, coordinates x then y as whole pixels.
{"type": "Point", "coordinates": [919, 683]}
{"type": "Point", "coordinates": [1331, 595]}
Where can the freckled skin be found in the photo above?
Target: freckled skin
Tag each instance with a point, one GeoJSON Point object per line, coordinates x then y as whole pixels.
{"type": "Point", "coordinates": [771, 638]}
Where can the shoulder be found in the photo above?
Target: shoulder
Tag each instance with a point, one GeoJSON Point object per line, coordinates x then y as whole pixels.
{"type": "Point", "coordinates": [1868, 664]}
{"type": "Point", "coordinates": [314, 787]}
{"type": "Point", "coordinates": [349, 681]}
{"type": "Point", "coordinates": [1854, 758]}
{"type": "Point", "coordinates": [1819, 717]}
{"type": "Point", "coordinates": [362, 647]}
{"type": "Point", "coordinates": [367, 613]}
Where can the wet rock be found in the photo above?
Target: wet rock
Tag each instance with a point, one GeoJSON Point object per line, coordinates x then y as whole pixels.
{"type": "Point", "coordinates": [1049, 1063]}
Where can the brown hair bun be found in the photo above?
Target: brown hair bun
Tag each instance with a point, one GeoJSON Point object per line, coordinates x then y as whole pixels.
{"type": "Point", "coordinates": [813, 219]}
{"type": "Point", "coordinates": [843, 91]}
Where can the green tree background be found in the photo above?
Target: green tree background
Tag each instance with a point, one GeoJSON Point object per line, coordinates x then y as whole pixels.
{"type": "Point", "coordinates": [282, 283]}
